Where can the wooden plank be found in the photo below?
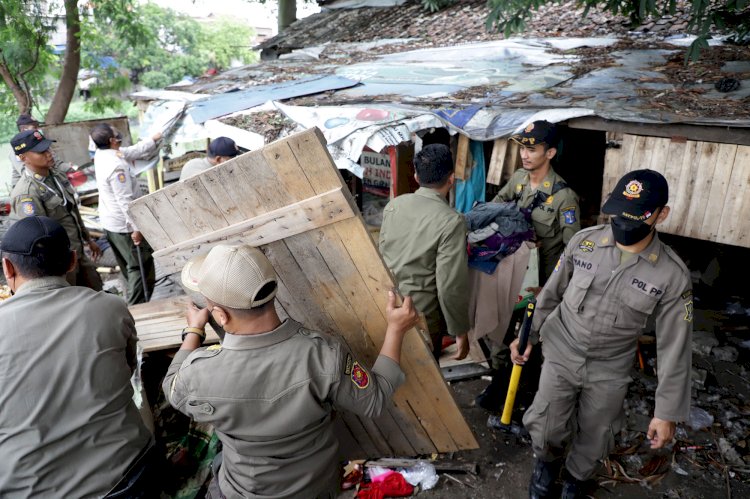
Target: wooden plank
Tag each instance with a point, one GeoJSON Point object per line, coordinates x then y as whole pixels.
{"type": "Point", "coordinates": [350, 280]}
{"type": "Point", "coordinates": [719, 187]}
{"type": "Point", "coordinates": [684, 189]}
{"type": "Point", "coordinates": [660, 155]}
{"type": "Point", "coordinates": [164, 213]}
{"type": "Point", "coordinates": [151, 229]}
{"type": "Point", "coordinates": [196, 208]}
{"type": "Point", "coordinates": [732, 216]}
{"type": "Point", "coordinates": [642, 152]}
{"type": "Point", "coordinates": [312, 213]}
{"type": "Point", "coordinates": [420, 368]}
{"type": "Point", "coordinates": [512, 159]}
{"type": "Point", "coordinates": [673, 169]}
{"type": "Point", "coordinates": [743, 227]}
{"type": "Point", "coordinates": [461, 168]}
{"type": "Point", "coordinates": [402, 172]}
{"type": "Point", "coordinates": [721, 134]}
{"type": "Point", "coordinates": [704, 172]}
{"type": "Point", "coordinates": [497, 160]}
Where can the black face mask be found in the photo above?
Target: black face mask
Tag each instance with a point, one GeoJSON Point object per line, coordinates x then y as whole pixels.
{"type": "Point", "coordinates": [628, 233]}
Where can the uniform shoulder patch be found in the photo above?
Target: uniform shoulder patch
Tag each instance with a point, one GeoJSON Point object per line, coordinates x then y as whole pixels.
{"type": "Point", "coordinates": [689, 311]}
{"type": "Point", "coordinates": [121, 177]}
{"type": "Point", "coordinates": [28, 207]}
{"type": "Point", "coordinates": [215, 347]}
{"type": "Point", "coordinates": [569, 214]}
{"type": "Point", "coordinates": [359, 376]}
{"type": "Point", "coordinates": [587, 246]}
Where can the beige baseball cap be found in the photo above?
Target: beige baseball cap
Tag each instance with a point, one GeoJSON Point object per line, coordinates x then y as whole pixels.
{"type": "Point", "coordinates": [233, 276]}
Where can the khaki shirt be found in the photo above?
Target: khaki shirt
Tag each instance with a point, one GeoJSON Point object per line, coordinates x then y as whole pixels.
{"type": "Point", "coordinates": [593, 309]}
{"type": "Point", "coordinates": [423, 242]}
{"type": "Point", "coordinates": [68, 424]}
{"type": "Point", "coordinates": [555, 221]}
{"type": "Point", "coordinates": [270, 398]}
{"type": "Point", "coordinates": [38, 195]}
{"type": "Point", "coordinates": [118, 184]}
{"type": "Point", "coordinates": [194, 167]}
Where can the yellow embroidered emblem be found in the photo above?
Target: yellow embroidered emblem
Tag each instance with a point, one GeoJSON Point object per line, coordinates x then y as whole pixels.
{"type": "Point", "coordinates": [633, 189]}
{"type": "Point", "coordinates": [519, 187]}
{"type": "Point", "coordinates": [547, 184]}
{"type": "Point", "coordinates": [652, 257]}
{"type": "Point", "coordinates": [529, 128]}
{"type": "Point", "coordinates": [549, 200]}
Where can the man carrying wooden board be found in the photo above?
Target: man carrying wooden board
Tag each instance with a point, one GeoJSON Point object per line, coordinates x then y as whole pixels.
{"type": "Point", "coordinates": [423, 242]}
{"type": "Point", "coordinates": [269, 389]}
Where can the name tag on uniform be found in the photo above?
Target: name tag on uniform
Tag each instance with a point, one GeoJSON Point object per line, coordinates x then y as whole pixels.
{"type": "Point", "coordinates": [646, 287]}
{"type": "Point", "coordinates": [585, 265]}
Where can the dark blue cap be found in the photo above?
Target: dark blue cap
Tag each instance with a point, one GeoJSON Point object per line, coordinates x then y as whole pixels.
{"type": "Point", "coordinates": [35, 235]}
{"type": "Point", "coordinates": [637, 194]}
{"type": "Point", "coordinates": [535, 133]}
{"type": "Point", "coordinates": [222, 146]}
{"type": "Point", "coordinates": [30, 140]}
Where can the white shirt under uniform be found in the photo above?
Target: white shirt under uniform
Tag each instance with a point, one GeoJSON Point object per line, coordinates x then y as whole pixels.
{"type": "Point", "coordinates": [118, 184]}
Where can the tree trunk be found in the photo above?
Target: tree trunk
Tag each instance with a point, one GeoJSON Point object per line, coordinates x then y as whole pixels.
{"type": "Point", "coordinates": [287, 13]}
{"type": "Point", "coordinates": [23, 99]}
{"type": "Point", "coordinates": [72, 63]}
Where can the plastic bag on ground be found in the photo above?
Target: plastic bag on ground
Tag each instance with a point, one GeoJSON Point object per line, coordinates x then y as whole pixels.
{"type": "Point", "coordinates": [422, 474]}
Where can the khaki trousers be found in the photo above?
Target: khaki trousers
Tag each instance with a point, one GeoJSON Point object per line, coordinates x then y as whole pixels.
{"type": "Point", "coordinates": [570, 410]}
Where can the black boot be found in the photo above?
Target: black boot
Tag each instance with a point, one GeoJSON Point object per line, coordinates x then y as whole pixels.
{"type": "Point", "coordinates": [544, 475]}
{"type": "Point", "coordinates": [572, 487]}
{"type": "Point", "coordinates": [492, 398]}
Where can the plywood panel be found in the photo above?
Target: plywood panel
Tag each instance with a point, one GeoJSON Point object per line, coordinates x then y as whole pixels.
{"type": "Point", "coordinates": [331, 278]}
{"type": "Point", "coordinates": [708, 184]}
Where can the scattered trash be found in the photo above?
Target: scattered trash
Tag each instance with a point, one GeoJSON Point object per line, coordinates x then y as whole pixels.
{"type": "Point", "coordinates": [703, 342]}
{"type": "Point", "coordinates": [422, 474]}
{"type": "Point", "coordinates": [388, 484]}
{"type": "Point", "coordinates": [727, 354]}
{"type": "Point", "coordinates": [700, 418]}
{"type": "Point", "coordinates": [729, 452]}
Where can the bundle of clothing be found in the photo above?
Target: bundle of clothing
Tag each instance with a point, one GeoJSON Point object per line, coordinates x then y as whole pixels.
{"type": "Point", "coordinates": [496, 230]}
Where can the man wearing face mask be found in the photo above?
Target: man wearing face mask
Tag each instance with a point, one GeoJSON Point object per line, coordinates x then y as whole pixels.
{"type": "Point", "coordinates": [607, 284]}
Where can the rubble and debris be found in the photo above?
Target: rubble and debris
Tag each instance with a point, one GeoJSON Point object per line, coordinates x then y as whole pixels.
{"type": "Point", "coordinates": [703, 342]}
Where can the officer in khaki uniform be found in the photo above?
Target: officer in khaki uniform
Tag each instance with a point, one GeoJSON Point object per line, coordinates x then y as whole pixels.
{"type": "Point", "coordinates": [554, 206]}
{"type": "Point", "coordinates": [609, 281]}
{"type": "Point", "coordinates": [423, 242]}
{"type": "Point", "coordinates": [269, 389]}
{"type": "Point", "coordinates": [42, 190]}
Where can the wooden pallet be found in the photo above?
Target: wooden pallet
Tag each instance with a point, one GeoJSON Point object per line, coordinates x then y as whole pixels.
{"type": "Point", "coordinates": [289, 199]}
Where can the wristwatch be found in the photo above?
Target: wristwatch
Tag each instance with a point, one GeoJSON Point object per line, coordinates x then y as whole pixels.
{"type": "Point", "coordinates": [200, 332]}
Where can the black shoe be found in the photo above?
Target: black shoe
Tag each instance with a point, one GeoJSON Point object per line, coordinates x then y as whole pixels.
{"type": "Point", "coordinates": [492, 398]}
{"type": "Point", "coordinates": [572, 487]}
{"type": "Point", "coordinates": [544, 475]}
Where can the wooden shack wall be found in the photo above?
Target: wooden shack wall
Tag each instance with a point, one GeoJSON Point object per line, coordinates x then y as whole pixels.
{"type": "Point", "coordinates": [709, 183]}
{"type": "Point", "coordinates": [331, 278]}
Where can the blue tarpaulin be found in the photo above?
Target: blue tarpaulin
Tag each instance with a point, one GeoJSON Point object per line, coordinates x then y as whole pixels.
{"type": "Point", "coordinates": [227, 103]}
